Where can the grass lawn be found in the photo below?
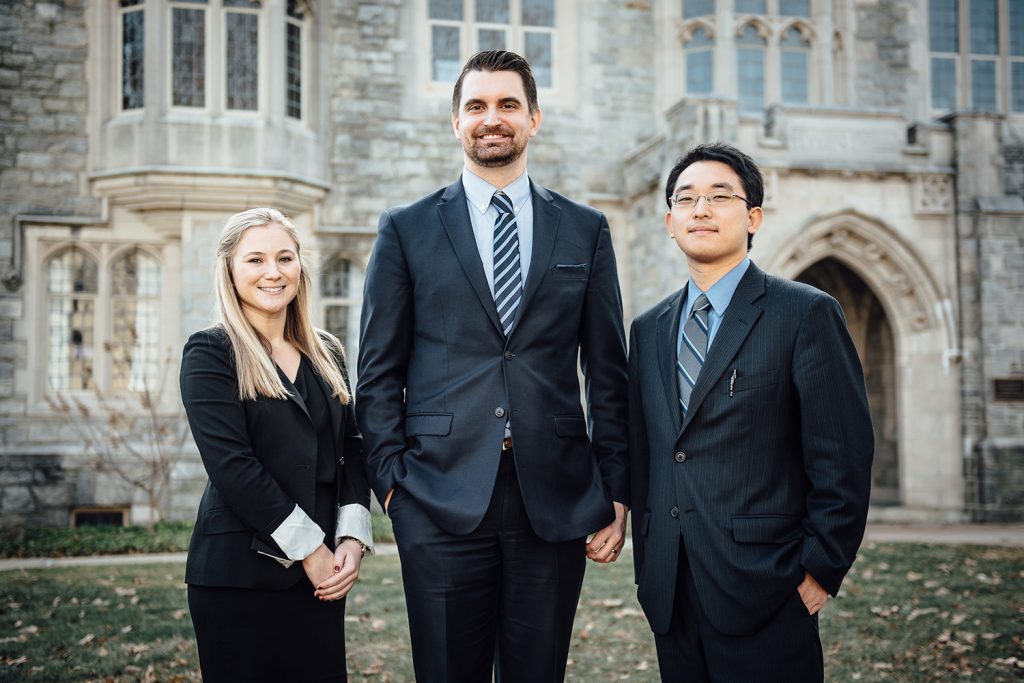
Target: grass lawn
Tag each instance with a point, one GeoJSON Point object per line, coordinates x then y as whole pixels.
{"type": "Point", "coordinates": [907, 613]}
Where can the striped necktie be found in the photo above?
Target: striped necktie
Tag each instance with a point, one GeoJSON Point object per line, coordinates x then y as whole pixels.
{"type": "Point", "coordinates": [508, 284]}
{"type": "Point", "coordinates": [692, 349]}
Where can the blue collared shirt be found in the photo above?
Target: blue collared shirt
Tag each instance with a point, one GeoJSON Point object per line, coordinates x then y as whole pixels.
{"type": "Point", "coordinates": [719, 295]}
{"type": "Point", "coordinates": [483, 215]}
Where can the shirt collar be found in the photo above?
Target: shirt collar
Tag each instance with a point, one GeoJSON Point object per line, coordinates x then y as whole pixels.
{"type": "Point", "coordinates": [479, 191]}
{"type": "Point", "coordinates": [720, 294]}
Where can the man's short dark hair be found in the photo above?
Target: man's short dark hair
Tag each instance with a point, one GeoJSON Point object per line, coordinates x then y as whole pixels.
{"type": "Point", "coordinates": [498, 60]}
{"type": "Point", "coordinates": [743, 165]}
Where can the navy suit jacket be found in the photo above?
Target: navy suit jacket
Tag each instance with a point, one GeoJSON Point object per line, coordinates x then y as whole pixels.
{"type": "Point", "coordinates": [769, 474]}
{"type": "Point", "coordinates": [438, 379]}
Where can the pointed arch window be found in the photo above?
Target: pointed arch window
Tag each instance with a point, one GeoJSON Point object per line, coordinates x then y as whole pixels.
{"type": "Point", "coordinates": [700, 72]}
{"type": "Point", "coordinates": [794, 56]}
{"type": "Point", "coordinates": [750, 62]}
{"type": "Point", "coordinates": [72, 285]}
{"type": "Point", "coordinates": [135, 318]}
{"type": "Point", "coordinates": [341, 287]}
{"type": "Point", "coordinates": [103, 319]}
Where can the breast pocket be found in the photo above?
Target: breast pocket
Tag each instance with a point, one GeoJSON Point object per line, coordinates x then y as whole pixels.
{"type": "Point", "coordinates": [741, 382]}
{"type": "Point", "coordinates": [570, 271]}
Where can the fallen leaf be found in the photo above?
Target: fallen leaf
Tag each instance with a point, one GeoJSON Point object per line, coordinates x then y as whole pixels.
{"type": "Point", "coordinates": [86, 639]}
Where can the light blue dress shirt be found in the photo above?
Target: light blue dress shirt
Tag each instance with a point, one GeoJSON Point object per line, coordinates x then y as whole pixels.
{"type": "Point", "coordinates": [483, 215]}
{"type": "Point", "coordinates": [719, 295]}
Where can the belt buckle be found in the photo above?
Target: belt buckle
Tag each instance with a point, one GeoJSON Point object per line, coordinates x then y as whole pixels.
{"type": "Point", "coordinates": [506, 444]}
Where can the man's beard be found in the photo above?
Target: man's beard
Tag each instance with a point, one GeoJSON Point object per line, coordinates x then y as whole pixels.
{"type": "Point", "coordinates": [496, 156]}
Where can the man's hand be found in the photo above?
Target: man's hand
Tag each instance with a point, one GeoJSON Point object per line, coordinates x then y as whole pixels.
{"type": "Point", "coordinates": [606, 544]}
{"type": "Point", "coordinates": [387, 500]}
{"type": "Point", "coordinates": [813, 595]}
{"type": "Point", "coordinates": [347, 559]}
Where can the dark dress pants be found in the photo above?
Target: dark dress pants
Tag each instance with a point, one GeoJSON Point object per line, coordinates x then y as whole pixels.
{"type": "Point", "coordinates": [498, 599]}
{"type": "Point", "coordinates": [785, 650]}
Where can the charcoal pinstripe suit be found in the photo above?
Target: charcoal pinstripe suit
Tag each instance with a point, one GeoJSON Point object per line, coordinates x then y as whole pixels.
{"type": "Point", "coordinates": [769, 473]}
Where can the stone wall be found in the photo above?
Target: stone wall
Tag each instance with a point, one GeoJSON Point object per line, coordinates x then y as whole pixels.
{"type": "Point", "coordinates": [884, 36]}
{"type": "Point", "coordinates": [35, 490]}
{"type": "Point", "coordinates": [43, 142]}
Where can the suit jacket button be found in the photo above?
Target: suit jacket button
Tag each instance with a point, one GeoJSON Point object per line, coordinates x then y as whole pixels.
{"type": "Point", "coordinates": [341, 460]}
{"type": "Point", "coordinates": [674, 512]}
{"type": "Point", "coordinates": [509, 355]}
{"type": "Point", "coordinates": [499, 412]}
{"type": "Point", "coordinates": [680, 457]}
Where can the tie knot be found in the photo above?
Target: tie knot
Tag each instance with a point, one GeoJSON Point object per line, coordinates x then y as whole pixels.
{"type": "Point", "coordinates": [501, 202]}
{"type": "Point", "coordinates": [702, 303]}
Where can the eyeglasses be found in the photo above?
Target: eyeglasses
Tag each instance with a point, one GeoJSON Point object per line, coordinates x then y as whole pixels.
{"type": "Point", "coordinates": [688, 201]}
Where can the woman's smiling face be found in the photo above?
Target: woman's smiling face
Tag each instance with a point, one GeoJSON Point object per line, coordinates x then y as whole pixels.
{"type": "Point", "coordinates": [265, 270]}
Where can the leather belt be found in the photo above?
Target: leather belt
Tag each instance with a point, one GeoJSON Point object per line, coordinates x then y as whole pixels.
{"type": "Point", "coordinates": [506, 444]}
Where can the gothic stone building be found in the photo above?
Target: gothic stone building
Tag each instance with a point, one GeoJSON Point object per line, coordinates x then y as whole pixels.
{"type": "Point", "coordinates": [891, 134]}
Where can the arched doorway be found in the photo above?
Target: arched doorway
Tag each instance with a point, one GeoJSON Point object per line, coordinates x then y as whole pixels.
{"type": "Point", "coordinates": [872, 334]}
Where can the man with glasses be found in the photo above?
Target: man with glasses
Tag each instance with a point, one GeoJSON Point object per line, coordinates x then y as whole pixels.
{"type": "Point", "coordinates": [750, 444]}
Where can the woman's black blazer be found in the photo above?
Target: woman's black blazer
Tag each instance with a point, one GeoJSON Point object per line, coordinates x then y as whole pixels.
{"type": "Point", "coordinates": [260, 457]}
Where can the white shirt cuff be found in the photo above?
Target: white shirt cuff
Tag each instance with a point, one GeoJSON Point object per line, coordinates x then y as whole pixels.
{"type": "Point", "coordinates": [298, 535]}
{"type": "Point", "coordinates": [354, 521]}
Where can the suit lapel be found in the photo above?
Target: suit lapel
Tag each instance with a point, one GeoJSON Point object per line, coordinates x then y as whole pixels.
{"type": "Point", "coordinates": [293, 393]}
{"type": "Point", "coordinates": [736, 324]}
{"type": "Point", "coordinates": [546, 218]}
{"type": "Point", "coordinates": [667, 333]}
{"type": "Point", "coordinates": [456, 222]}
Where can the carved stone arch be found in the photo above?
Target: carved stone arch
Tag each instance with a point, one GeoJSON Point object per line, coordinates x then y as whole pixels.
{"type": "Point", "coordinates": [121, 250]}
{"type": "Point", "coordinates": [688, 28]}
{"type": "Point", "coordinates": [873, 250]}
{"type": "Point", "coordinates": [762, 27]}
{"type": "Point", "coordinates": [807, 31]}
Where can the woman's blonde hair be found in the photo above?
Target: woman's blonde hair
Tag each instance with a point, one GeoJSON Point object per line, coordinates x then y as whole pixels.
{"type": "Point", "coordinates": [257, 372]}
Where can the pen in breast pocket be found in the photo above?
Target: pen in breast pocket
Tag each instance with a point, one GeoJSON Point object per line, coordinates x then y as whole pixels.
{"type": "Point", "coordinates": [732, 382]}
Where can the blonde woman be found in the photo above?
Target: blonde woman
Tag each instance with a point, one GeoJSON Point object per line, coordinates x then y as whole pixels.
{"type": "Point", "coordinates": [284, 520]}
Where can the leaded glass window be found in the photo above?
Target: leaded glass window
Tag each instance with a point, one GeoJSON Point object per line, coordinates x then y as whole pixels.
{"type": "Point", "coordinates": [293, 58]}
{"type": "Point", "coordinates": [984, 27]}
{"type": "Point", "coordinates": [133, 52]}
{"type": "Point", "coordinates": [460, 28]}
{"type": "Point", "coordinates": [538, 53]}
{"type": "Point", "coordinates": [973, 73]}
{"type": "Point", "coordinates": [750, 48]}
{"type": "Point", "coordinates": [446, 61]}
{"type": "Point", "coordinates": [341, 283]}
{"type": "Point", "coordinates": [188, 73]}
{"type": "Point", "coordinates": [750, 7]}
{"type": "Point", "coordinates": [943, 31]}
{"type": "Point", "coordinates": [943, 83]}
{"type": "Point", "coordinates": [490, 39]}
{"type": "Point", "coordinates": [795, 51]}
{"type": "Point", "coordinates": [795, 8]}
{"type": "Point", "coordinates": [698, 8]}
{"type": "Point", "coordinates": [1017, 83]}
{"type": "Point", "coordinates": [492, 11]}
{"type": "Point", "coordinates": [135, 333]}
{"type": "Point", "coordinates": [71, 287]}
{"type": "Point", "coordinates": [700, 63]}
{"type": "Point", "coordinates": [242, 56]}
{"type": "Point", "coordinates": [983, 84]}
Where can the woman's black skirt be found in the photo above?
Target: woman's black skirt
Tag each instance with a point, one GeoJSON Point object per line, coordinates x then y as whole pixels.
{"type": "Point", "coordinates": [262, 635]}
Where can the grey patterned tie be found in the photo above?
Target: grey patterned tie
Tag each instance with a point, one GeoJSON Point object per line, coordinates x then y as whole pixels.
{"type": "Point", "coordinates": [692, 349]}
{"type": "Point", "coordinates": [508, 281]}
